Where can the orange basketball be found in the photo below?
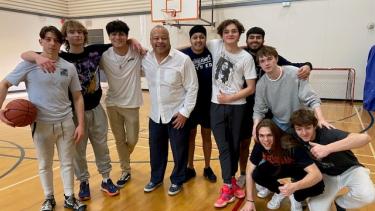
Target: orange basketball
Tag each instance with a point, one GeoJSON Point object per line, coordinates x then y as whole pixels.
{"type": "Point", "coordinates": [20, 112]}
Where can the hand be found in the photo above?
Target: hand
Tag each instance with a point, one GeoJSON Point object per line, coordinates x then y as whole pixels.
{"type": "Point", "coordinates": [223, 98]}
{"type": "Point", "coordinates": [137, 46]}
{"type": "Point", "coordinates": [319, 151]}
{"type": "Point", "coordinates": [324, 123]}
{"type": "Point", "coordinates": [78, 134]}
{"type": "Point", "coordinates": [288, 189]}
{"type": "Point", "coordinates": [249, 206]}
{"type": "Point", "coordinates": [179, 121]}
{"type": "Point", "coordinates": [48, 65]}
{"type": "Point", "coordinates": [4, 119]}
{"type": "Point", "coordinates": [304, 72]}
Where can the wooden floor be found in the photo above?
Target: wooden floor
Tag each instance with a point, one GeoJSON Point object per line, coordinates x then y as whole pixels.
{"type": "Point", "coordinates": [20, 187]}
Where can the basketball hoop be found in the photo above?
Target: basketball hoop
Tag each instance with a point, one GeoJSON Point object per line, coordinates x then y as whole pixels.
{"type": "Point", "coordinates": [169, 16]}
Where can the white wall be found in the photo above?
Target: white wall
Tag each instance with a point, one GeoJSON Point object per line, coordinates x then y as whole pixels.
{"type": "Point", "coordinates": [328, 33]}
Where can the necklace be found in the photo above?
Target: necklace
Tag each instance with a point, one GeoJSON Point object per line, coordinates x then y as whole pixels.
{"type": "Point", "coordinates": [120, 60]}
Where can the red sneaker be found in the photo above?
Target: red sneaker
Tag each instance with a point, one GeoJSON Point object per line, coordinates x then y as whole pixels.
{"type": "Point", "coordinates": [226, 197]}
{"type": "Point", "coordinates": [237, 191]}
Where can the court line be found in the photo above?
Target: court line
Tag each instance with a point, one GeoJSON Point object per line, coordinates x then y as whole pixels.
{"type": "Point", "coordinates": [363, 127]}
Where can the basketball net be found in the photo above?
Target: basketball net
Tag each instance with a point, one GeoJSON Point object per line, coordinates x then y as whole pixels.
{"type": "Point", "coordinates": [169, 16]}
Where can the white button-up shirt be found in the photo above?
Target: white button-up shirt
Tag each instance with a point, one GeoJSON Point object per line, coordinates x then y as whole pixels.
{"type": "Point", "coordinates": [173, 85]}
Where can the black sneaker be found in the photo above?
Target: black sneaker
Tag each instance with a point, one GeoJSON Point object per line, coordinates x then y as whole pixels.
{"type": "Point", "coordinates": [174, 189]}
{"type": "Point", "coordinates": [125, 177]}
{"type": "Point", "coordinates": [338, 208]}
{"type": "Point", "coordinates": [190, 173]}
{"type": "Point", "coordinates": [49, 204]}
{"type": "Point", "coordinates": [209, 174]}
{"type": "Point", "coordinates": [84, 191]}
{"type": "Point", "coordinates": [74, 204]}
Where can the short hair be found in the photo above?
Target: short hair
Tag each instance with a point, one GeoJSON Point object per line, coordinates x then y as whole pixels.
{"type": "Point", "coordinates": [197, 29]}
{"type": "Point", "coordinates": [54, 30]}
{"type": "Point", "coordinates": [255, 30]}
{"type": "Point", "coordinates": [267, 51]}
{"type": "Point", "coordinates": [73, 24]}
{"type": "Point", "coordinates": [303, 117]}
{"type": "Point", "coordinates": [221, 27]}
{"type": "Point", "coordinates": [117, 26]}
{"type": "Point", "coordinates": [158, 27]}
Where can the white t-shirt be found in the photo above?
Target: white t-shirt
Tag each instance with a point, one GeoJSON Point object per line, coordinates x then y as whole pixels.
{"type": "Point", "coordinates": [229, 70]}
{"type": "Point", "coordinates": [124, 78]}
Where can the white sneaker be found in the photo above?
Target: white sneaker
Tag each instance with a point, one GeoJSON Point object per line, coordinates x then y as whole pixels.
{"type": "Point", "coordinates": [263, 192]}
{"type": "Point", "coordinates": [295, 205]}
{"type": "Point", "coordinates": [241, 181]}
{"type": "Point", "coordinates": [275, 202]}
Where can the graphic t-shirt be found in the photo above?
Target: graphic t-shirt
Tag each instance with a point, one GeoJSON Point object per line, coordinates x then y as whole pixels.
{"type": "Point", "coordinates": [229, 70]}
{"type": "Point", "coordinates": [203, 66]}
{"type": "Point", "coordinates": [87, 65]}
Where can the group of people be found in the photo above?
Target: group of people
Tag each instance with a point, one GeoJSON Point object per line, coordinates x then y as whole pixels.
{"type": "Point", "coordinates": [237, 92]}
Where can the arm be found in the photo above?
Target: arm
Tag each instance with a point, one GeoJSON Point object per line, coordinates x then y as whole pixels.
{"type": "Point", "coordinates": [45, 63]}
{"type": "Point", "coordinates": [352, 141]}
{"type": "Point", "coordinates": [312, 177]}
{"type": "Point", "coordinates": [79, 110]}
{"type": "Point", "coordinates": [304, 68]}
{"type": "Point", "coordinates": [260, 106]}
{"type": "Point", "coordinates": [249, 200]}
{"type": "Point", "coordinates": [4, 86]}
{"type": "Point", "coordinates": [190, 83]}
{"type": "Point", "coordinates": [137, 46]}
{"type": "Point", "coordinates": [250, 89]}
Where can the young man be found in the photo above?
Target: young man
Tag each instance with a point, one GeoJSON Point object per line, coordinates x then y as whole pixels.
{"type": "Point", "coordinates": [122, 66]}
{"type": "Point", "coordinates": [331, 150]}
{"type": "Point", "coordinates": [86, 60]}
{"type": "Point", "coordinates": [173, 86]}
{"type": "Point", "coordinates": [54, 124]}
{"type": "Point", "coordinates": [255, 41]}
{"type": "Point", "coordinates": [232, 68]}
{"type": "Point", "coordinates": [202, 60]}
{"type": "Point", "coordinates": [280, 91]}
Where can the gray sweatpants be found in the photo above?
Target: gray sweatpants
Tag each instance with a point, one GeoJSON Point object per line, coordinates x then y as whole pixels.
{"type": "Point", "coordinates": [96, 129]}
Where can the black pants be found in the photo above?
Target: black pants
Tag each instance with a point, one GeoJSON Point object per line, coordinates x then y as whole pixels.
{"type": "Point", "coordinates": [158, 141]}
{"type": "Point", "coordinates": [266, 175]}
{"type": "Point", "coordinates": [226, 122]}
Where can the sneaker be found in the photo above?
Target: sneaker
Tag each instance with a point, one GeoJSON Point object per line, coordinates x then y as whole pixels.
{"type": "Point", "coordinates": [295, 205]}
{"type": "Point", "coordinates": [174, 189]}
{"type": "Point", "coordinates": [74, 204]}
{"type": "Point", "coordinates": [275, 202]}
{"type": "Point", "coordinates": [237, 191]}
{"type": "Point", "coordinates": [151, 186]}
{"type": "Point", "coordinates": [241, 181]}
{"type": "Point", "coordinates": [209, 174]}
{"type": "Point", "coordinates": [125, 177]}
{"type": "Point", "coordinates": [49, 204]}
{"type": "Point", "coordinates": [109, 188]}
{"type": "Point", "coordinates": [84, 191]}
{"type": "Point", "coordinates": [263, 192]}
{"type": "Point", "coordinates": [338, 208]}
{"type": "Point", "coordinates": [226, 197]}
{"type": "Point", "coordinates": [190, 173]}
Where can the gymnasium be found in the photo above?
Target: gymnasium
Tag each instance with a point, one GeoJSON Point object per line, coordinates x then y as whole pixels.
{"type": "Point", "coordinates": [335, 36]}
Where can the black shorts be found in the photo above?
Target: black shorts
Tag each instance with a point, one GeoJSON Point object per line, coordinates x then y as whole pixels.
{"type": "Point", "coordinates": [200, 117]}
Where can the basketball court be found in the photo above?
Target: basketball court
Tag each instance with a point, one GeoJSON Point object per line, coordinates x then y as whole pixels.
{"type": "Point", "coordinates": [20, 187]}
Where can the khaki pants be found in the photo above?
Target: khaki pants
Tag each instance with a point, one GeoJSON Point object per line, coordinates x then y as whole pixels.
{"type": "Point", "coordinates": [124, 123]}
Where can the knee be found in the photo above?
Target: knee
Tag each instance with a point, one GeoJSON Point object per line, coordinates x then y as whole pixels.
{"type": "Point", "coordinates": [366, 196]}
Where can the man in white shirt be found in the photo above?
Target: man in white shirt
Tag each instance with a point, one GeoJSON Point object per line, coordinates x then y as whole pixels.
{"type": "Point", "coordinates": [173, 86]}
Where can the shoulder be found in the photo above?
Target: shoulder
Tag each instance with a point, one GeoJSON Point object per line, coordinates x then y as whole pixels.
{"type": "Point", "coordinates": [66, 64]}
{"type": "Point", "coordinates": [330, 135]}
{"type": "Point", "coordinates": [179, 55]}
{"type": "Point", "coordinates": [97, 47]}
{"type": "Point", "coordinates": [187, 50]}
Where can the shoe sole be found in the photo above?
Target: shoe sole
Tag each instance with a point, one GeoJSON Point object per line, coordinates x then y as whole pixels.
{"type": "Point", "coordinates": [263, 196]}
{"type": "Point", "coordinates": [84, 198]}
{"type": "Point", "coordinates": [174, 193]}
{"type": "Point", "coordinates": [152, 189]}
{"type": "Point", "coordinates": [211, 180]}
{"type": "Point", "coordinates": [224, 205]}
{"type": "Point", "coordinates": [109, 193]}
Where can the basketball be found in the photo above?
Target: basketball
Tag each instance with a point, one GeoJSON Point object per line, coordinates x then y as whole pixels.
{"type": "Point", "coordinates": [20, 112]}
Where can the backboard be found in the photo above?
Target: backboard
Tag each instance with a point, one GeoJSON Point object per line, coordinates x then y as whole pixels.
{"type": "Point", "coordinates": [174, 10]}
